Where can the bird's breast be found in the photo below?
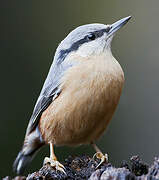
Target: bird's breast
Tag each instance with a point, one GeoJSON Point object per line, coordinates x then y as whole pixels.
{"type": "Point", "coordinates": [90, 94]}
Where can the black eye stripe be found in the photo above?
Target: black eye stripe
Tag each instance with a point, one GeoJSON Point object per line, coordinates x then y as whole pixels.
{"type": "Point", "coordinates": [63, 53]}
{"type": "Point", "coordinates": [91, 37]}
{"type": "Point", "coordinates": [108, 29]}
{"type": "Point", "coordinates": [97, 34]}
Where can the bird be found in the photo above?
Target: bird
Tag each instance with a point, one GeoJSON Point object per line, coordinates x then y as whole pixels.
{"type": "Point", "coordinates": [79, 96]}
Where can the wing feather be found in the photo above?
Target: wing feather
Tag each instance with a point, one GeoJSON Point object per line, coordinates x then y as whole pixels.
{"type": "Point", "coordinates": [42, 105]}
{"type": "Point", "coordinates": [49, 92]}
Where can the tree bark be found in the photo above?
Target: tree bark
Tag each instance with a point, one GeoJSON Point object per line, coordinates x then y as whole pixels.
{"type": "Point", "coordinates": [84, 167]}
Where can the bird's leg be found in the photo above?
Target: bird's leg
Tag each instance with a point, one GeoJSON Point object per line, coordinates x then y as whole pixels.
{"type": "Point", "coordinates": [99, 155]}
{"type": "Point", "coordinates": [53, 160]}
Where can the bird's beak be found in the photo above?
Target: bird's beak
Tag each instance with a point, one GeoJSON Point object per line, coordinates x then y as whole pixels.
{"type": "Point", "coordinates": [117, 25]}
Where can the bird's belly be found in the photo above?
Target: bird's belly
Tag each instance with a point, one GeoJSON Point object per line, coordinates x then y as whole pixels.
{"type": "Point", "coordinates": [79, 116]}
{"type": "Point", "coordinates": [85, 106]}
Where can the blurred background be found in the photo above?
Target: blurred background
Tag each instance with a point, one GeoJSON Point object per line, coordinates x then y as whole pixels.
{"type": "Point", "coordinates": [29, 34]}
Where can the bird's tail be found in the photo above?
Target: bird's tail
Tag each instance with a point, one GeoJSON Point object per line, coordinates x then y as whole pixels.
{"type": "Point", "coordinates": [31, 145]}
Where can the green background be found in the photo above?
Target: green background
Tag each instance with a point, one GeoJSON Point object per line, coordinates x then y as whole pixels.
{"type": "Point", "coordinates": [29, 34]}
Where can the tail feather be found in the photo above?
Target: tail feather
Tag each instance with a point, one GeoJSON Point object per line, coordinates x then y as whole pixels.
{"type": "Point", "coordinates": [31, 145]}
{"type": "Point", "coordinates": [21, 162]}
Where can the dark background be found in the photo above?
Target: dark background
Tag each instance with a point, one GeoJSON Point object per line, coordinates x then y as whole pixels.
{"type": "Point", "coordinates": [29, 34]}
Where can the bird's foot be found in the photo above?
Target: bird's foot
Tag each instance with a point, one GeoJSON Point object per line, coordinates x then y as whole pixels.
{"type": "Point", "coordinates": [55, 164]}
{"type": "Point", "coordinates": [103, 158]}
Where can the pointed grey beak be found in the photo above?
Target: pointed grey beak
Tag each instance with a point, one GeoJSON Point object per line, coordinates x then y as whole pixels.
{"type": "Point", "coordinates": [117, 25]}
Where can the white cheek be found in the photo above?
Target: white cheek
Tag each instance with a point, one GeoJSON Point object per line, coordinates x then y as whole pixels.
{"type": "Point", "coordinates": [91, 48]}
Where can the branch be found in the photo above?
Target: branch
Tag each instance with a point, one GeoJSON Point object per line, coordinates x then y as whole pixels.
{"type": "Point", "coordinates": [84, 167]}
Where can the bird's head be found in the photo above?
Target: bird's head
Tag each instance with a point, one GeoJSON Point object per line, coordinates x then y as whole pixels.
{"type": "Point", "coordinates": [89, 39]}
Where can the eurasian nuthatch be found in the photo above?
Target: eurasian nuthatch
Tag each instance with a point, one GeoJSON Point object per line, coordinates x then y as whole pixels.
{"type": "Point", "coordinates": [79, 96]}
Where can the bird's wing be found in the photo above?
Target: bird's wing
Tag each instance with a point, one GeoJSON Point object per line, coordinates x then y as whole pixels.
{"type": "Point", "coordinates": [41, 105]}
{"type": "Point", "coordinates": [49, 92]}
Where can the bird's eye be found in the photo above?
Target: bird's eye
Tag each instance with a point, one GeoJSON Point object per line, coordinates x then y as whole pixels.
{"type": "Point", "coordinates": [91, 37]}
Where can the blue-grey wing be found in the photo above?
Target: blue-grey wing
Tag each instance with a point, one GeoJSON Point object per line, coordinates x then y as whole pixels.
{"type": "Point", "coordinates": [49, 92]}
{"type": "Point", "coordinates": [41, 105]}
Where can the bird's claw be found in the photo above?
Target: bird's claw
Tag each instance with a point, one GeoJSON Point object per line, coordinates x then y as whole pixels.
{"type": "Point", "coordinates": [55, 164]}
{"type": "Point", "coordinates": [102, 157]}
